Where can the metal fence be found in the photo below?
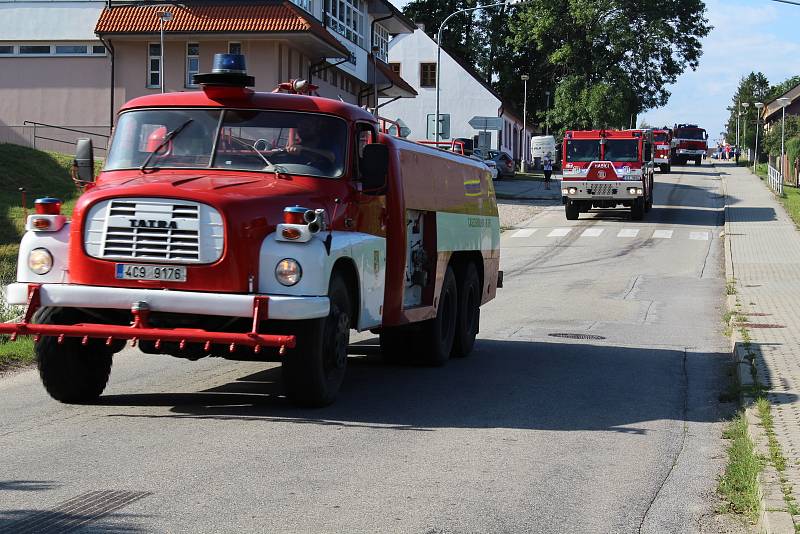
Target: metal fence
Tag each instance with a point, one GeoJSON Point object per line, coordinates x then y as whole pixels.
{"type": "Point", "coordinates": [775, 179]}
{"type": "Point", "coordinates": [55, 138]}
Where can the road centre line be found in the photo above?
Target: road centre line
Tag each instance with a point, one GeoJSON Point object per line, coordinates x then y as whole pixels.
{"type": "Point", "coordinates": [628, 232]}
{"type": "Point", "coordinates": [559, 232]}
{"type": "Point", "coordinates": [525, 232]}
{"type": "Point", "coordinates": [698, 236]}
{"type": "Point", "coordinates": [663, 234]}
{"type": "Point", "coordinates": [592, 232]}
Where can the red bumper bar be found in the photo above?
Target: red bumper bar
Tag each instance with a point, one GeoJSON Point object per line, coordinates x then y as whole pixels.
{"type": "Point", "coordinates": [140, 330]}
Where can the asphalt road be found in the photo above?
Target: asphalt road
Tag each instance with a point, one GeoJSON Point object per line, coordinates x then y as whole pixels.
{"type": "Point", "coordinates": [532, 433]}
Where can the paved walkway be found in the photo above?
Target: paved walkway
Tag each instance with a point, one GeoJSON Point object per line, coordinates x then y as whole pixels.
{"type": "Point", "coordinates": [765, 253]}
{"type": "Point", "coordinates": [528, 189]}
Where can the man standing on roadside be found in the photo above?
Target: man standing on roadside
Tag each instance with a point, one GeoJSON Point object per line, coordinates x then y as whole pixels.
{"type": "Point", "coordinates": [547, 166]}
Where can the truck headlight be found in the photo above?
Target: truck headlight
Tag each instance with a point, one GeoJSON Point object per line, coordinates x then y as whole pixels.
{"type": "Point", "coordinates": [40, 261]}
{"type": "Point", "coordinates": [288, 272]}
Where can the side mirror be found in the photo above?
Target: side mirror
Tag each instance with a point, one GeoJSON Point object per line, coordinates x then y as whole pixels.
{"type": "Point", "coordinates": [648, 152]}
{"type": "Point", "coordinates": [374, 166]}
{"type": "Point", "coordinates": [83, 165]}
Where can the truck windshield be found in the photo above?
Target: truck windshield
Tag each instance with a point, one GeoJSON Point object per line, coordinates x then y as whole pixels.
{"type": "Point", "coordinates": [581, 150]}
{"type": "Point", "coordinates": [251, 140]}
{"type": "Point", "coordinates": [691, 133]}
{"type": "Point", "coordinates": [660, 137]}
{"type": "Point", "coordinates": [622, 150]}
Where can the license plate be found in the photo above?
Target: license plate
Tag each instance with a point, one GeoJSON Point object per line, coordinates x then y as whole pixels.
{"type": "Point", "coordinates": [164, 273]}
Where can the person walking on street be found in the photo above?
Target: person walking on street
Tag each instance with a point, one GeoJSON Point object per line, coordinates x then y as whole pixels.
{"type": "Point", "coordinates": [547, 166]}
{"type": "Point", "coordinates": [736, 153]}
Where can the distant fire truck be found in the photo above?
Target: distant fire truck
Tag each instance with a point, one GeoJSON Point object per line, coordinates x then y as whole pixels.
{"type": "Point", "coordinates": [257, 226]}
{"type": "Point", "coordinates": [689, 142]}
{"type": "Point", "coordinates": [662, 144]}
{"type": "Point", "coordinates": [607, 168]}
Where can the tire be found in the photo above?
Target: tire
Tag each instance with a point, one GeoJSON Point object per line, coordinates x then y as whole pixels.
{"type": "Point", "coordinates": [637, 209]}
{"type": "Point", "coordinates": [572, 210]}
{"type": "Point", "coordinates": [469, 311]}
{"type": "Point", "coordinates": [698, 162]}
{"type": "Point", "coordinates": [437, 336]}
{"type": "Point", "coordinates": [314, 371]}
{"type": "Point", "coordinates": [665, 169]}
{"type": "Point", "coordinates": [71, 373]}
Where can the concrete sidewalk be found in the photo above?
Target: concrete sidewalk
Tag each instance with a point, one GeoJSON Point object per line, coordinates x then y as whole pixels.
{"type": "Point", "coordinates": [764, 257]}
{"type": "Point", "coordinates": [528, 189]}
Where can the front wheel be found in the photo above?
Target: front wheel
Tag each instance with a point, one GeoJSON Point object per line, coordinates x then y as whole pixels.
{"type": "Point", "coordinates": [698, 162]}
{"type": "Point", "coordinates": [314, 371]}
{"type": "Point", "coordinates": [71, 372]}
{"type": "Point", "coordinates": [572, 210]}
{"type": "Point", "coordinates": [637, 209]}
{"type": "Point", "coordinates": [665, 169]}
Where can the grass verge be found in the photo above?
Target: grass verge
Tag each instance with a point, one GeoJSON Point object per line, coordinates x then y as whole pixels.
{"type": "Point", "coordinates": [776, 457]}
{"type": "Point", "coordinates": [791, 202]}
{"type": "Point", "coordinates": [739, 484]}
{"type": "Point", "coordinates": [16, 353]}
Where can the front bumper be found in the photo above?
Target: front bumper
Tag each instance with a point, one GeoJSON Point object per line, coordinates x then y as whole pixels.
{"type": "Point", "coordinates": [605, 190]}
{"type": "Point", "coordinates": [688, 152]}
{"type": "Point", "coordinates": [159, 300]}
{"type": "Point", "coordinates": [661, 161]}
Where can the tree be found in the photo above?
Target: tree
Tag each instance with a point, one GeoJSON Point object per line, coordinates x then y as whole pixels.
{"type": "Point", "coordinates": [752, 88]}
{"type": "Point", "coordinates": [611, 59]}
{"type": "Point", "coordinates": [772, 140]}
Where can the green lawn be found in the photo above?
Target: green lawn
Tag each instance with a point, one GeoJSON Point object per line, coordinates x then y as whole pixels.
{"type": "Point", "coordinates": [16, 353]}
{"type": "Point", "coordinates": [41, 174]}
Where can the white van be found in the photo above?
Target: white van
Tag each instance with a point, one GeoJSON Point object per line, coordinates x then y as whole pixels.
{"type": "Point", "coordinates": [540, 146]}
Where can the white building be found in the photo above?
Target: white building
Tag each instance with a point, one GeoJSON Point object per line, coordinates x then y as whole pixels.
{"type": "Point", "coordinates": [464, 94]}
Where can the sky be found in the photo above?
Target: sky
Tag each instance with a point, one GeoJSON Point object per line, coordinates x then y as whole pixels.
{"type": "Point", "coordinates": [748, 35]}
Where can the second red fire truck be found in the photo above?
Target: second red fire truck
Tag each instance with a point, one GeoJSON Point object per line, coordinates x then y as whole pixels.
{"type": "Point", "coordinates": [606, 169]}
{"type": "Point", "coordinates": [662, 149]}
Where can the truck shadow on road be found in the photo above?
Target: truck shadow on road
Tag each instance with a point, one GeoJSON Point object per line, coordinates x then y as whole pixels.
{"type": "Point", "coordinates": [503, 384]}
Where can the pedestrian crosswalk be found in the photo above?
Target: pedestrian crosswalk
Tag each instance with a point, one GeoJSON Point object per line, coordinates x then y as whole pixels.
{"type": "Point", "coordinates": [623, 233]}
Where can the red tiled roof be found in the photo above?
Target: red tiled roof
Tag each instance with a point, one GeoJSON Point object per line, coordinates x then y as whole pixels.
{"type": "Point", "coordinates": [267, 17]}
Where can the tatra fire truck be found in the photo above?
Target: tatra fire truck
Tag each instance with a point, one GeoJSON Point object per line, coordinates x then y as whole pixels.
{"type": "Point", "coordinates": [257, 226]}
{"type": "Point", "coordinates": [607, 168]}
{"type": "Point", "coordinates": [689, 142]}
{"type": "Point", "coordinates": [662, 144]}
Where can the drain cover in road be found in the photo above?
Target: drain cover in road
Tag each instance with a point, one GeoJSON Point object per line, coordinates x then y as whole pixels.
{"type": "Point", "coordinates": [74, 513]}
{"type": "Point", "coordinates": [564, 335]}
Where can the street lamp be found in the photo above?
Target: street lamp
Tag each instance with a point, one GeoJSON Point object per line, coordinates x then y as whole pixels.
{"type": "Point", "coordinates": [547, 114]}
{"type": "Point", "coordinates": [759, 106]}
{"type": "Point", "coordinates": [783, 102]}
{"type": "Point", "coordinates": [439, 50]}
{"type": "Point", "coordinates": [525, 79]}
{"type": "Point", "coordinates": [163, 16]}
{"type": "Point", "coordinates": [738, 118]}
{"type": "Point", "coordinates": [744, 128]}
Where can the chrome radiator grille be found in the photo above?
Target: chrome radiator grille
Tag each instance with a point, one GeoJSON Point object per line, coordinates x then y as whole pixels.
{"type": "Point", "coordinates": [603, 190]}
{"type": "Point", "coordinates": [154, 230]}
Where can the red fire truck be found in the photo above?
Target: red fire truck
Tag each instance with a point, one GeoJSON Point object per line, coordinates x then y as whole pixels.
{"type": "Point", "coordinates": [662, 144]}
{"type": "Point", "coordinates": [689, 142]}
{"type": "Point", "coordinates": [257, 226]}
{"type": "Point", "coordinates": [607, 168]}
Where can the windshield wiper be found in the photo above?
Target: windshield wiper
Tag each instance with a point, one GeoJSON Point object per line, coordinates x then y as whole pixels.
{"type": "Point", "coordinates": [167, 138]}
{"type": "Point", "coordinates": [277, 169]}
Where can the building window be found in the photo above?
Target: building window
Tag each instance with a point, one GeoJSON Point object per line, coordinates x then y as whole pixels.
{"type": "Point", "coordinates": [382, 42]}
{"type": "Point", "coordinates": [192, 63]}
{"type": "Point", "coordinates": [71, 49]}
{"type": "Point", "coordinates": [395, 68]}
{"type": "Point", "coordinates": [154, 65]}
{"type": "Point", "coordinates": [427, 74]}
{"type": "Point", "coordinates": [52, 49]}
{"type": "Point", "coordinates": [308, 5]}
{"type": "Point", "coordinates": [234, 48]}
{"type": "Point", "coordinates": [347, 17]}
{"type": "Point", "coordinates": [34, 49]}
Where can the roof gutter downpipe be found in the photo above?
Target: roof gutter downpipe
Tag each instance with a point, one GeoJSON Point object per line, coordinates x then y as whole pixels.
{"type": "Point", "coordinates": [375, 50]}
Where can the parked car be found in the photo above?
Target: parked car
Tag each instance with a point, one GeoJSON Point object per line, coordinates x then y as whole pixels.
{"type": "Point", "coordinates": [489, 163]}
{"type": "Point", "coordinates": [504, 162]}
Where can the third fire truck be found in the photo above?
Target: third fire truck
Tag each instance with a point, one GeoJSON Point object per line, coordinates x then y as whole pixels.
{"type": "Point", "coordinates": [689, 142]}
{"type": "Point", "coordinates": [607, 168]}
